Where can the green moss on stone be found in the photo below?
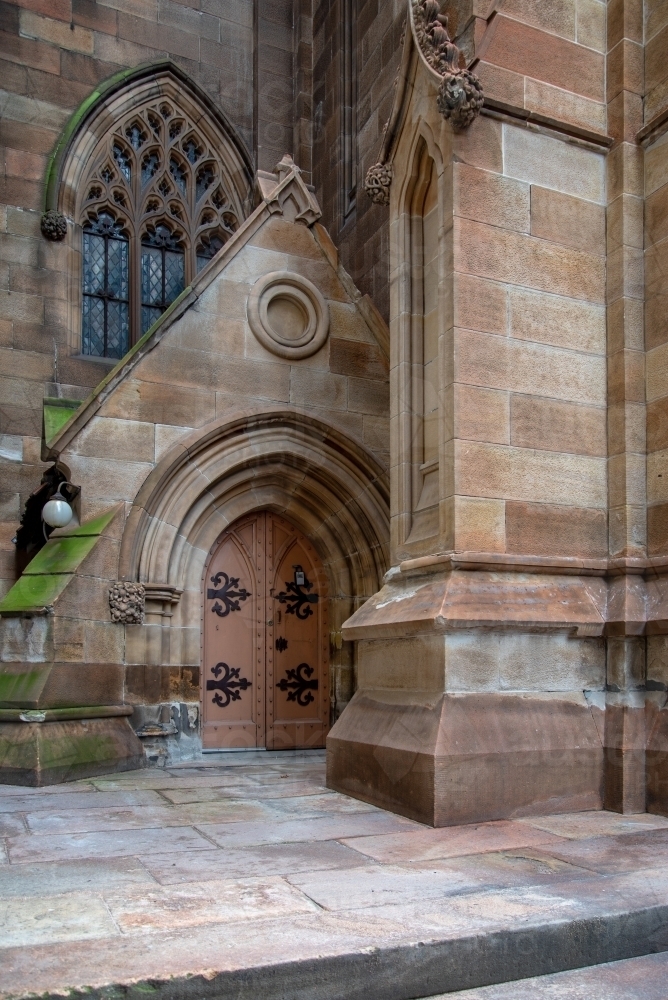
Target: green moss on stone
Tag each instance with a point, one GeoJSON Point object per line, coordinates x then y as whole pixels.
{"type": "Point", "coordinates": [66, 749]}
{"type": "Point", "coordinates": [24, 688]}
{"type": "Point", "coordinates": [56, 414]}
{"type": "Point", "coordinates": [46, 576]}
{"type": "Point", "coordinates": [96, 525]}
{"type": "Point", "coordinates": [55, 160]}
{"type": "Point", "coordinates": [34, 593]}
{"type": "Point", "coordinates": [61, 555]}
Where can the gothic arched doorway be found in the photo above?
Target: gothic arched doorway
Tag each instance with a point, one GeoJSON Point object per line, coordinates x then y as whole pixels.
{"type": "Point", "coordinates": [265, 639]}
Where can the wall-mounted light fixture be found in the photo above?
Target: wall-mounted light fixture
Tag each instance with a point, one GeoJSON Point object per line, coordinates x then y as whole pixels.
{"type": "Point", "coordinates": [57, 512]}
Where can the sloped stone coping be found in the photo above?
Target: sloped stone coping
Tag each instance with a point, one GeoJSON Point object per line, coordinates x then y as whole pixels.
{"type": "Point", "coordinates": [48, 574]}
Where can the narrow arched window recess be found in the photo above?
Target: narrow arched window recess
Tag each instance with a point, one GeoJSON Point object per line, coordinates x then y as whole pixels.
{"type": "Point", "coordinates": [156, 181]}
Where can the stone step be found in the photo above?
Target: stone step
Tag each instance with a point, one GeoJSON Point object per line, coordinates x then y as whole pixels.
{"type": "Point", "coordinates": [395, 951]}
{"type": "Point", "coordinates": [643, 978]}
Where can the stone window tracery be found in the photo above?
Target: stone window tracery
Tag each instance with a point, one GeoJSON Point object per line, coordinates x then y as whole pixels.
{"type": "Point", "coordinates": [155, 209]}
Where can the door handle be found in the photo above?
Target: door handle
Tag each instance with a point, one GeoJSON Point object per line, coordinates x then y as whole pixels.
{"type": "Point", "coordinates": [270, 622]}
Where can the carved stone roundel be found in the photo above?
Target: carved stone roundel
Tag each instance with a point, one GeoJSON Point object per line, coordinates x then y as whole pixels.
{"type": "Point", "coordinates": [288, 315]}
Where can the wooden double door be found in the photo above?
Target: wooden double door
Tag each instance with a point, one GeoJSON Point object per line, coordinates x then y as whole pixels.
{"type": "Point", "coordinates": [265, 641]}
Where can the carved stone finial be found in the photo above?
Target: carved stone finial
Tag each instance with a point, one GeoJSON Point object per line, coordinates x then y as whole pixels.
{"type": "Point", "coordinates": [126, 603]}
{"type": "Point", "coordinates": [285, 166]}
{"type": "Point", "coordinates": [460, 98]}
{"type": "Point", "coordinates": [377, 183]}
{"type": "Point", "coordinates": [53, 225]}
{"type": "Point", "coordinates": [460, 95]}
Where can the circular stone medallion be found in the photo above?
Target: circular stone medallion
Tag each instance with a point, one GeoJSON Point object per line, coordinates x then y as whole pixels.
{"type": "Point", "coordinates": [288, 315]}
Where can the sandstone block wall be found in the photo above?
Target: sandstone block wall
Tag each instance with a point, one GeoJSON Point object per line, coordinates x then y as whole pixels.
{"type": "Point", "coordinates": [656, 332]}
{"type": "Point", "coordinates": [528, 389]}
{"type": "Point", "coordinates": [139, 446]}
{"type": "Point", "coordinates": [252, 59]}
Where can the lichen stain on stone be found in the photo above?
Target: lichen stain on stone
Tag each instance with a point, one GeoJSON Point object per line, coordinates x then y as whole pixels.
{"type": "Point", "coordinates": [24, 639]}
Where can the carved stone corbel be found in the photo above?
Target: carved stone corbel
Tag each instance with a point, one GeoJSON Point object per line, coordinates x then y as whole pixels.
{"type": "Point", "coordinates": [460, 98]}
{"type": "Point", "coordinates": [126, 603]}
{"type": "Point", "coordinates": [460, 95]}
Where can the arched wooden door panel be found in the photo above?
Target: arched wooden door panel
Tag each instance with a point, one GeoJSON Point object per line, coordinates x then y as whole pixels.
{"type": "Point", "coordinates": [297, 661]}
{"type": "Point", "coordinates": [264, 639]}
{"type": "Point", "coordinates": [233, 712]}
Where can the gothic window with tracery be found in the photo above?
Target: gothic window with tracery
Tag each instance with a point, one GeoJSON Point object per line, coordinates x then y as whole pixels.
{"type": "Point", "coordinates": [155, 210]}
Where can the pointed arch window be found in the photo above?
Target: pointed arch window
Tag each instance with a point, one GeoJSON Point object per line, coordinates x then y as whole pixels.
{"type": "Point", "coordinates": [156, 206]}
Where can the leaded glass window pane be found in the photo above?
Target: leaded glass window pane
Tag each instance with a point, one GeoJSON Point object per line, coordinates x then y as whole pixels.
{"type": "Point", "coordinates": [173, 275]}
{"type": "Point", "coordinates": [149, 167]}
{"type": "Point", "coordinates": [151, 276]}
{"type": "Point", "coordinates": [93, 249]}
{"type": "Point", "coordinates": [117, 251]}
{"type": "Point", "coordinates": [179, 174]}
{"type": "Point", "coordinates": [148, 318]}
{"type": "Point", "coordinates": [205, 178]}
{"type": "Point", "coordinates": [162, 273]}
{"type": "Point", "coordinates": [123, 161]}
{"type": "Point", "coordinates": [93, 326]}
{"type": "Point", "coordinates": [105, 317]}
{"type": "Point", "coordinates": [117, 326]}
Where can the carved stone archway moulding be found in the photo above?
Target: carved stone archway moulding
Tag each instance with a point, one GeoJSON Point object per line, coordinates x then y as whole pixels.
{"type": "Point", "coordinates": [460, 94]}
{"type": "Point", "coordinates": [279, 459]}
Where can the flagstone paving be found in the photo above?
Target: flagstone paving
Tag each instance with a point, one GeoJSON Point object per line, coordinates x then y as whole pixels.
{"type": "Point", "coordinates": [242, 875]}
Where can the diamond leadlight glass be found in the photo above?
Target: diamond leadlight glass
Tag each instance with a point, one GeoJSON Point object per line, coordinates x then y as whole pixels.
{"type": "Point", "coordinates": [162, 273]}
{"type": "Point", "coordinates": [105, 318]}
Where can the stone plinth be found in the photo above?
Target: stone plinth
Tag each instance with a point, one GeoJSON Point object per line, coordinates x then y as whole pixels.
{"type": "Point", "coordinates": [46, 752]}
{"type": "Point", "coordinates": [468, 708]}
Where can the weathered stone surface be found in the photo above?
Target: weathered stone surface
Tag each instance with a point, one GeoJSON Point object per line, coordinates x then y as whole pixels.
{"type": "Point", "coordinates": [40, 753]}
{"type": "Point", "coordinates": [488, 903]}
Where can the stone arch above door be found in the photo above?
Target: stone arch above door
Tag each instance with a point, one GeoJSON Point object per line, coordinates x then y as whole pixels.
{"type": "Point", "coordinates": [282, 460]}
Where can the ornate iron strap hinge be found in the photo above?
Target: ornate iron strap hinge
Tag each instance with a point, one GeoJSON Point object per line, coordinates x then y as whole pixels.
{"type": "Point", "coordinates": [299, 687]}
{"type": "Point", "coordinates": [296, 595]}
{"type": "Point", "coordinates": [230, 684]}
{"type": "Point", "coordinates": [227, 594]}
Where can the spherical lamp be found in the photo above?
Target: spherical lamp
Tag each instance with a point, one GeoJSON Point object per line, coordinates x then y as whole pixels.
{"type": "Point", "coordinates": [56, 512]}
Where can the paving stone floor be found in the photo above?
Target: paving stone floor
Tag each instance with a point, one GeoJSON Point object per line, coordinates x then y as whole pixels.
{"type": "Point", "coordinates": [202, 873]}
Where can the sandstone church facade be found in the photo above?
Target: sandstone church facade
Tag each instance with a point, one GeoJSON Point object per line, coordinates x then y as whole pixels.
{"type": "Point", "coordinates": [341, 329]}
